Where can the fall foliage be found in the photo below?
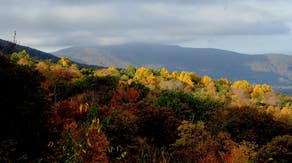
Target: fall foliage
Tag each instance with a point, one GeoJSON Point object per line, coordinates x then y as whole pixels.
{"type": "Point", "coordinates": [71, 113]}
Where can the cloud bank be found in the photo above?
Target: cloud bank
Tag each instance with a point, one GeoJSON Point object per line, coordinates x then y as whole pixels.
{"type": "Point", "coordinates": [66, 23]}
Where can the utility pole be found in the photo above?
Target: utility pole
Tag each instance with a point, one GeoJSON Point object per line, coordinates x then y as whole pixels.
{"type": "Point", "coordinates": [14, 37]}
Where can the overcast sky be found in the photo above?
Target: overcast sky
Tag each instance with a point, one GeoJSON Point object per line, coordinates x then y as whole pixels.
{"type": "Point", "coordinates": [248, 26]}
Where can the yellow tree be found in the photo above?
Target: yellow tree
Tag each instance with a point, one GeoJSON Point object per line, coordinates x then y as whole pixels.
{"type": "Point", "coordinates": [186, 77]}
{"type": "Point", "coordinates": [209, 84]}
{"type": "Point", "coordinates": [110, 71]}
{"type": "Point", "coordinates": [22, 58]}
{"type": "Point", "coordinates": [242, 85]}
{"type": "Point", "coordinates": [260, 90]}
{"type": "Point", "coordinates": [206, 80]}
{"type": "Point", "coordinates": [174, 74]}
{"type": "Point", "coordinates": [164, 73]}
{"type": "Point", "coordinates": [193, 75]}
{"type": "Point", "coordinates": [281, 114]}
{"type": "Point", "coordinates": [65, 62]}
{"type": "Point", "coordinates": [240, 91]}
{"type": "Point", "coordinates": [145, 76]}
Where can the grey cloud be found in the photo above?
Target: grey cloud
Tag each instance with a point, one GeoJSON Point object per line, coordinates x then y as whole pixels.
{"type": "Point", "coordinates": [169, 21]}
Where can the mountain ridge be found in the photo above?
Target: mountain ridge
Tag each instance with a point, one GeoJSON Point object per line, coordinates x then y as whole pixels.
{"type": "Point", "coordinates": [8, 47]}
{"type": "Point", "coordinates": [273, 69]}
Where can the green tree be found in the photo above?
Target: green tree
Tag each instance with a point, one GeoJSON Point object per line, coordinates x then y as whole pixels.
{"type": "Point", "coordinates": [22, 57]}
{"type": "Point", "coordinates": [187, 106]}
{"type": "Point", "coordinates": [181, 103]}
{"type": "Point", "coordinates": [223, 86]}
{"type": "Point", "coordinates": [129, 71]}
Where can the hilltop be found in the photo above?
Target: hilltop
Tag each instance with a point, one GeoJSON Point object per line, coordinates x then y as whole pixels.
{"type": "Point", "coordinates": [8, 47]}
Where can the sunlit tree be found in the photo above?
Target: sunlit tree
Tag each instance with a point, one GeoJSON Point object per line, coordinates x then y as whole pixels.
{"type": "Point", "coordinates": [110, 71]}
{"type": "Point", "coordinates": [164, 73]}
{"type": "Point", "coordinates": [186, 77]}
{"type": "Point", "coordinates": [22, 58]}
{"type": "Point", "coordinates": [65, 62]}
{"type": "Point", "coordinates": [242, 85]}
{"type": "Point", "coordinates": [145, 76]}
{"type": "Point", "coordinates": [206, 80]}
{"type": "Point", "coordinates": [209, 85]}
{"type": "Point", "coordinates": [260, 90]}
{"type": "Point", "coordinates": [240, 91]}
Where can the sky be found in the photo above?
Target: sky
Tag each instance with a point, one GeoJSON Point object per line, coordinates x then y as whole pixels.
{"type": "Point", "coordinates": [246, 26]}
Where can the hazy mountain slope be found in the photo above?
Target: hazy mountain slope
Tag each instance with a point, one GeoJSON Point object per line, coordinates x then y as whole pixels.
{"type": "Point", "coordinates": [281, 64]}
{"type": "Point", "coordinates": [204, 61]}
{"type": "Point", "coordinates": [9, 47]}
{"type": "Point", "coordinates": [92, 56]}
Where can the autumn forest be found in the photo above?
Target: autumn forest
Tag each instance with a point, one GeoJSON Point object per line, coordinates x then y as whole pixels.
{"type": "Point", "coordinates": [63, 111]}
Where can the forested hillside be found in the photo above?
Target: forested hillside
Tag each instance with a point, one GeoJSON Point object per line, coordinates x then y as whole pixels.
{"type": "Point", "coordinates": [8, 47]}
{"type": "Point", "coordinates": [62, 112]}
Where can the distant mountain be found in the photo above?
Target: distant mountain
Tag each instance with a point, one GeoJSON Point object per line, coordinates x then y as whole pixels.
{"type": "Point", "coordinates": [8, 47]}
{"type": "Point", "coordinates": [92, 56]}
{"type": "Point", "coordinates": [273, 69]}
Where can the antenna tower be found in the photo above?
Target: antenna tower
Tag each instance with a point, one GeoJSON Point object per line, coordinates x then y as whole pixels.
{"type": "Point", "coordinates": [14, 37]}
